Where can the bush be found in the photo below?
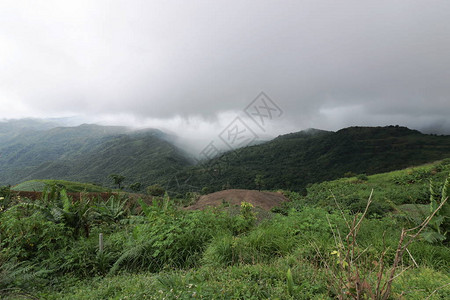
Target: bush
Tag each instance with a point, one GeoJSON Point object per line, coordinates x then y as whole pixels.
{"type": "Point", "coordinates": [28, 235]}
{"type": "Point", "coordinates": [362, 177]}
{"type": "Point", "coordinates": [169, 238]}
{"type": "Point", "coordinates": [156, 190]}
{"type": "Point", "coordinates": [274, 238]}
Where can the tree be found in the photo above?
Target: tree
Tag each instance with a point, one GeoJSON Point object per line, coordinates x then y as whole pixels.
{"type": "Point", "coordinates": [135, 187]}
{"type": "Point", "coordinates": [156, 190]}
{"type": "Point", "coordinates": [205, 190]}
{"type": "Point", "coordinates": [118, 179]}
{"type": "Point", "coordinates": [259, 181]}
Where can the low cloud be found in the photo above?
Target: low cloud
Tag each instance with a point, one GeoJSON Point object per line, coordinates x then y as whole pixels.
{"type": "Point", "coordinates": [190, 67]}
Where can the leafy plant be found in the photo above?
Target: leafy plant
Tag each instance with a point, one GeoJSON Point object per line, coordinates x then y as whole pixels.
{"type": "Point", "coordinates": [351, 277]}
{"type": "Point", "coordinates": [246, 219]}
{"type": "Point", "coordinates": [135, 187]}
{"type": "Point", "coordinates": [156, 190]}
{"type": "Point", "coordinates": [27, 233]}
{"type": "Point", "coordinates": [440, 224]}
{"type": "Point", "coordinates": [117, 179]}
{"type": "Point", "coordinates": [113, 210]}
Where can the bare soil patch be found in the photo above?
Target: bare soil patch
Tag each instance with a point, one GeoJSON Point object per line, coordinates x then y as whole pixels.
{"type": "Point", "coordinates": [264, 200]}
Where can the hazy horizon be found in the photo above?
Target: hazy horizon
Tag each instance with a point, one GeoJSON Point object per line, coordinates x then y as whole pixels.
{"type": "Point", "coordinates": [192, 68]}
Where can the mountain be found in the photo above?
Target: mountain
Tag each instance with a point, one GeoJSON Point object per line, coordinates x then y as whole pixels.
{"type": "Point", "coordinates": [11, 129]}
{"type": "Point", "coordinates": [294, 160]}
{"type": "Point", "coordinates": [89, 153]}
{"type": "Point", "coordinates": [31, 149]}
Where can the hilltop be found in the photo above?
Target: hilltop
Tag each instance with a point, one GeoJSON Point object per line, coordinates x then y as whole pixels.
{"type": "Point", "coordinates": [293, 161]}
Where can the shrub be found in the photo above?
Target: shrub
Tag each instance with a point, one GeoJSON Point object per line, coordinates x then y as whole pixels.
{"type": "Point", "coordinates": [245, 220]}
{"type": "Point", "coordinates": [274, 238]}
{"type": "Point", "coordinates": [156, 190]}
{"type": "Point", "coordinates": [28, 234]}
{"type": "Point", "coordinates": [169, 238]}
{"type": "Point", "coordinates": [362, 177]}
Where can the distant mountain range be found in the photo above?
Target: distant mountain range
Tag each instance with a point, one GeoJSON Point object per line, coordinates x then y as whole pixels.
{"type": "Point", "coordinates": [294, 160]}
{"type": "Point", "coordinates": [32, 149]}
{"type": "Point", "coordinates": [88, 153]}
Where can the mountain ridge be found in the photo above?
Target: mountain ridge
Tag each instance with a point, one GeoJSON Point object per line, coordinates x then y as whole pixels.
{"type": "Point", "coordinates": [90, 153]}
{"type": "Point", "coordinates": [295, 160]}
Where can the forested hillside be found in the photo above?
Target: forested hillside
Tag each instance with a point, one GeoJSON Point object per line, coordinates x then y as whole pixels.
{"type": "Point", "coordinates": [89, 153]}
{"type": "Point", "coordinates": [292, 161]}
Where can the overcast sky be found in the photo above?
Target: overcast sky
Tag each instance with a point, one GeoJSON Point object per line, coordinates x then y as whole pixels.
{"type": "Point", "coordinates": [193, 66]}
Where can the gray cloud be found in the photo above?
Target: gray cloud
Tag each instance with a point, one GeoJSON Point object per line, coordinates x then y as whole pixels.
{"type": "Point", "coordinates": [189, 65]}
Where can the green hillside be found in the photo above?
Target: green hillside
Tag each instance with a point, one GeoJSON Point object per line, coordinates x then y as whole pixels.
{"type": "Point", "coordinates": [12, 129]}
{"type": "Point", "coordinates": [69, 186]}
{"type": "Point", "coordinates": [407, 189]}
{"type": "Point", "coordinates": [295, 160]}
{"type": "Point", "coordinates": [90, 153]}
{"type": "Point", "coordinates": [303, 250]}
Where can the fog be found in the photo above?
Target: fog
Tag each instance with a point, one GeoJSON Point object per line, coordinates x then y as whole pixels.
{"type": "Point", "coordinates": [192, 67]}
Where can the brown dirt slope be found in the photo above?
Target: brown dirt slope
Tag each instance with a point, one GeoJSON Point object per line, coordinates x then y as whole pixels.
{"type": "Point", "coordinates": [264, 200]}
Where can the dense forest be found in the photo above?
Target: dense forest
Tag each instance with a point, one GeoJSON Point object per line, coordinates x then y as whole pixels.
{"type": "Point", "coordinates": [91, 153]}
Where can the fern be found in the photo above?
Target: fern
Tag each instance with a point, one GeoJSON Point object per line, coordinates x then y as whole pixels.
{"type": "Point", "coordinates": [15, 277]}
{"type": "Point", "coordinates": [67, 204]}
{"type": "Point", "coordinates": [134, 258]}
{"type": "Point", "coordinates": [439, 226]}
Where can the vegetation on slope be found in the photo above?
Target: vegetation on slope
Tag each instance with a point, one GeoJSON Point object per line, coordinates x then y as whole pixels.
{"type": "Point", "coordinates": [70, 186]}
{"type": "Point", "coordinates": [295, 160]}
{"type": "Point", "coordinates": [90, 153]}
{"type": "Point", "coordinates": [50, 247]}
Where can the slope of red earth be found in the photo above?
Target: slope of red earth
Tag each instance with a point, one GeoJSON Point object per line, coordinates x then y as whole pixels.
{"type": "Point", "coordinates": [264, 200]}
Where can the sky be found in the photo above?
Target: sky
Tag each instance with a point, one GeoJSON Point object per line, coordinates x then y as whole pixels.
{"type": "Point", "coordinates": [193, 67]}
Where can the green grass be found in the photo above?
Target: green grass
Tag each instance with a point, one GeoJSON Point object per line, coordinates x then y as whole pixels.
{"type": "Point", "coordinates": [70, 186]}
{"type": "Point", "coordinates": [390, 190]}
{"type": "Point", "coordinates": [170, 253]}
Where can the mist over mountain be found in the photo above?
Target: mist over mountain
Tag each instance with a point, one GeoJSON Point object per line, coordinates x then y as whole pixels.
{"type": "Point", "coordinates": [292, 161]}
{"type": "Point", "coordinates": [36, 149]}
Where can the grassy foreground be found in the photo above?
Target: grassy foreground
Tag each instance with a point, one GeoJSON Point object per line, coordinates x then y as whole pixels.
{"type": "Point", "coordinates": [311, 248]}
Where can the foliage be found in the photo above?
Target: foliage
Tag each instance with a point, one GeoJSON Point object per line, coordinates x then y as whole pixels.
{"type": "Point", "coordinates": [388, 194]}
{"type": "Point", "coordinates": [169, 238]}
{"type": "Point", "coordinates": [6, 198]}
{"type": "Point", "coordinates": [166, 251]}
{"type": "Point", "coordinates": [245, 220]}
{"type": "Point", "coordinates": [117, 179]}
{"type": "Point", "coordinates": [205, 190]}
{"type": "Point", "coordinates": [362, 177]}
{"type": "Point", "coordinates": [440, 226]}
{"type": "Point", "coordinates": [113, 210]}
{"type": "Point", "coordinates": [352, 276]}
{"type": "Point", "coordinates": [259, 181]}
{"type": "Point", "coordinates": [27, 233]}
{"type": "Point", "coordinates": [135, 187]}
{"type": "Point", "coordinates": [69, 186]}
{"type": "Point", "coordinates": [156, 190]}
{"type": "Point", "coordinates": [294, 160]}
